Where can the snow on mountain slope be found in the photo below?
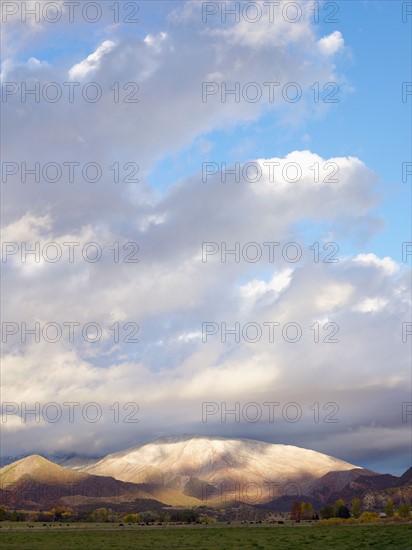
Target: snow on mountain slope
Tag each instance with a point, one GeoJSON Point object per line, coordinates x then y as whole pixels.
{"type": "Point", "coordinates": [180, 462]}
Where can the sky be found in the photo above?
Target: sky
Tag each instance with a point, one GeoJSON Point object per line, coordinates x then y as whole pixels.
{"type": "Point", "coordinates": [219, 207]}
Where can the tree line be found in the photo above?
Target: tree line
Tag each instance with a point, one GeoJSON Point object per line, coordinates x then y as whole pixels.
{"type": "Point", "coordinates": [305, 511]}
{"type": "Point", "coordinates": [100, 515]}
{"type": "Point", "coordinates": [339, 511]}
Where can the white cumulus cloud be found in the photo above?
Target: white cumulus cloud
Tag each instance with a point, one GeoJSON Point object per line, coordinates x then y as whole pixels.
{"type": "Point", "coordinates": [331, 43]}
{"type": "Point", "coordinates": [92, 62]}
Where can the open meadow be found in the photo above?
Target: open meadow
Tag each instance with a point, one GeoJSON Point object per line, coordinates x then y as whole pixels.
{"type": "Point", "coordinates": [98, 537]}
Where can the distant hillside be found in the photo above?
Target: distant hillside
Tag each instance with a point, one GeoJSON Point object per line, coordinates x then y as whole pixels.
{"type": "Point", "coordinates": [37, 468]}
{"type": "Point", "coordinates": [36, 483]}
{"type": "Point", "coordinates": [69, 461]}
{"type": "Point", "coordinates": [404, 479]}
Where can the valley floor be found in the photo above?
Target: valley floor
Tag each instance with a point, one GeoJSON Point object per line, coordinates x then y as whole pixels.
{"type": "Point", "coordinates": [201, 537]}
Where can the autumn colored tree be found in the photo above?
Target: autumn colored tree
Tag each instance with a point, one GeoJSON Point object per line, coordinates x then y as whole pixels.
{"type": "Point", "coordinates": [303, 510]}
{"type": "Point", "coordinates": [296, 512]}
{"type": "Point", "coordinates": [130, 518]}
{"type": "Point", "coordinates": [307, 511]}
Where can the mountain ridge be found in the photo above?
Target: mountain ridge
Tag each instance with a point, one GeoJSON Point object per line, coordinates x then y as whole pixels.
{"type": "Point", "coordinates": [185, 463]}
{"type": "Point", "coordinates": [195, 470]}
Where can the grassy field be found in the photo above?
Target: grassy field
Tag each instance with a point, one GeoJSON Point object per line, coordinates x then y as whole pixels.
{"type": "Point", "coordinates": [378, 537]}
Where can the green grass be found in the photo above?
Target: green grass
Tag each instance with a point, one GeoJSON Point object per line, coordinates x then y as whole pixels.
{"type": "Point", "coordinates": [75, 537]}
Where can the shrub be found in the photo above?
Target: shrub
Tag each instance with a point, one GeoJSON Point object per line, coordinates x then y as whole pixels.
{"type": "Point", "coordinates": [369, 517]}
{"type": "Point", "coordinates": [130, 518]}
